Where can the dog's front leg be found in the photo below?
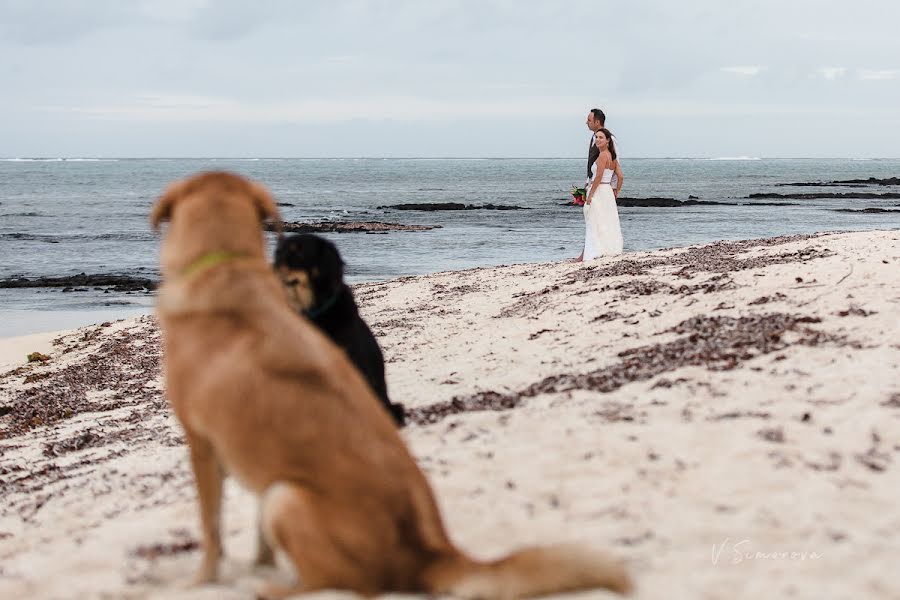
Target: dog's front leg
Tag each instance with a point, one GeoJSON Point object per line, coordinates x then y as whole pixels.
{"type": "Point", "coordinates": [208, 476]}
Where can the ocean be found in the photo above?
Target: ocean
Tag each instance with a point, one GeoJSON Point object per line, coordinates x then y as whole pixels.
{"type": "Point", "coordinates": [66, 216]}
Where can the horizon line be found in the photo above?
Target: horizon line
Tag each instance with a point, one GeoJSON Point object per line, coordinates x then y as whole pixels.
{"type": "Point", "coordinates": [734, 158]}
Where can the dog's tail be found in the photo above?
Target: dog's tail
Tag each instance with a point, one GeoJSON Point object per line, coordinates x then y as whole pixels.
{"type": "Point", "coordinates": [527, 573]}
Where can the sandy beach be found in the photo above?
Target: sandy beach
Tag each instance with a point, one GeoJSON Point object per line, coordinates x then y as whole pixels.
{"type": "Point", "coordinates": [726, 418]}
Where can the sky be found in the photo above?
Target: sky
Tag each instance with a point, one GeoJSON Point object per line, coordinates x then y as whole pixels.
{"type": "Point", "coordinates": [448, 78]}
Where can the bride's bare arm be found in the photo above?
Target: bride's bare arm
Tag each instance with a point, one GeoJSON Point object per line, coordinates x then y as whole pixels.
{"type": "Point", "coordinates": [602, 163]}
{"type": "Point", "coordinates": [620, 178]}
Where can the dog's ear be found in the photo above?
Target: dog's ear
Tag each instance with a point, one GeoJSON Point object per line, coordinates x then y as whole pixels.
{"type": "Point", "coordinates": [162, 211]}
{"type": "Point", "coordinates": [286, 250]}
{"type": "Point", "coordinates": [266, 206]}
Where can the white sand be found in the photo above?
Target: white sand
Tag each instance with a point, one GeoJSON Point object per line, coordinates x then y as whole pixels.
{"type": "Point", "coordinates": [776, 478]}
{"type": "Point", "coordinates": [15, 350]}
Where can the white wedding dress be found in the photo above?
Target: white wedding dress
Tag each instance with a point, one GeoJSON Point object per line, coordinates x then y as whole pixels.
{"type": "Point", "coordinates": [603, 235]}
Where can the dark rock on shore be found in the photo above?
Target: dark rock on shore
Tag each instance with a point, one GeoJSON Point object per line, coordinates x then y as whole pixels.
{"type": "Point", "coordinates": [435, 206]}
{"type": "Point", "coordinates": [49, 239]}
{"type": "Point", "coordinates": [863, 195]}
{"type": "Point", "coordinates": [691, 201]}
{"type": "Point", "coordinates": [665, 202]}
{"type": "Point", "coordinates": [350, 227]}
{"type": "Point", "coordinates": [82, 281]}
{"type": "Point", "coordinates": [649, 202]}
{"type": "Point", "coordinates": [869, 181]}
{"type": "Point", "coordinates": [867, 210]}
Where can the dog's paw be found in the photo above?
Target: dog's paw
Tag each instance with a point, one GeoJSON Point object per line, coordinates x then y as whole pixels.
{"type": "Point", "coordinates": [207, 573]}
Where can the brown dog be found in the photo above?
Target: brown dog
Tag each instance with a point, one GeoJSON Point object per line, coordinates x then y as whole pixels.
{"type": "Point", "coordinates": [264, 396]}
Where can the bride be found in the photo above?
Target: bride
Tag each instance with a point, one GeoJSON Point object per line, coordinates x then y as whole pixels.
{"type": "Point", "coordinates": [603, 235]}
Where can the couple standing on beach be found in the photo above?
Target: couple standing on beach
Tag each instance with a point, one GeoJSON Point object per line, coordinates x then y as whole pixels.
{"type": "Point", "coordinates": [603, 234]}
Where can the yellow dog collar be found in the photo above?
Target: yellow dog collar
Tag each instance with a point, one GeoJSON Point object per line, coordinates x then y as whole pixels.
{"type": "Point", "coordinates": [209, 260]}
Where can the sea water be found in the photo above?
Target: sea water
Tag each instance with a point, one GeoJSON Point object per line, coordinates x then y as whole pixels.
{"type": "Point", "coordinates": [67, 216]}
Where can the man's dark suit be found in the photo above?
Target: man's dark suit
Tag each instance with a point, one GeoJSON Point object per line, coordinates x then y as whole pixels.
{"type": "Point", "coordinates": [593, 153]}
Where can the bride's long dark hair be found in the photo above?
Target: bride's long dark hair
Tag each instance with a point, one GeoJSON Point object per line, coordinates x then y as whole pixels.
{"type": "Point", "coordinates": [612, 144]}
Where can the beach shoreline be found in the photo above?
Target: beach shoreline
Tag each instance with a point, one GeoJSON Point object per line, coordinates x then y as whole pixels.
{"type": "Point", "coordinates": [724, 417]}
{"type": "Point", "coordinates": [35, 322]}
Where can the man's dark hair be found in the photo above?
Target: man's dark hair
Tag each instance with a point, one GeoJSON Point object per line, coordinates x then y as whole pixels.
{"type": "Point", "coordinates": [599, 116]}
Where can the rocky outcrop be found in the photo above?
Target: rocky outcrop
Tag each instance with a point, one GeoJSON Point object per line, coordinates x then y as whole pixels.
{"type": "Point", "coordinates": [854, 182]}
{"type": "Point", "coordinates": [648, 202]}
{"type": "Point", "coordinates": [867, 210]}
{"type": "Point", "coordinates": [812, 196]}
{"type": "Point", "coordinates": [351, 227]}
{"type": "Point", "coordinates": [436, 206]}
{"type": "Point", "coordinates": [82, 281]}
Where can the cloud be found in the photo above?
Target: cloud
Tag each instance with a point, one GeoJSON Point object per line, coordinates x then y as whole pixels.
{"type": "Point", "coordinates": [383, 107]}
{"type": "Point", "coordinates": [748, 71]}
{"type": "Point", "coordinates": [832, 73]}
{"type": "Point", "coordinates": [173, 108]}
{"type": "Point", "coordinates": [56, 23]}
{"type": "Point", "coordinates": [62, 22]}
{"type": "Point", "coordinates": [876, 75]}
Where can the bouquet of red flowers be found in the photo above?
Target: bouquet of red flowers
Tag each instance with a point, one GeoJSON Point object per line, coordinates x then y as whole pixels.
{"type": "Point", "coordinates": [578, 195]}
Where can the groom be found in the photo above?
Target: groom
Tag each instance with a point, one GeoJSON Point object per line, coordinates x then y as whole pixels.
{"type": "Point", "coordinates": [596, 120]}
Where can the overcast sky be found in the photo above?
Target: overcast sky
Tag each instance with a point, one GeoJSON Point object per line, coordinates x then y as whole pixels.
{"type": "Point", "coordinates": [430, 78]}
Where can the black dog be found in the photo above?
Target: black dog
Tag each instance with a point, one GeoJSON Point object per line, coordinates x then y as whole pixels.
{"type": "Point", "coordinates": [313, 275]}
